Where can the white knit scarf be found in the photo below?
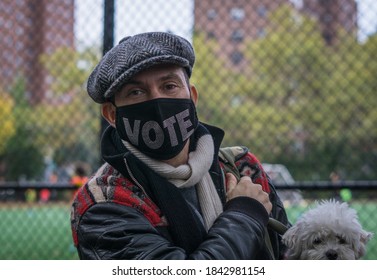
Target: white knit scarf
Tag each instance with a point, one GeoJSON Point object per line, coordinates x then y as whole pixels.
{"type": "Point", "coordinates": [190, 174]}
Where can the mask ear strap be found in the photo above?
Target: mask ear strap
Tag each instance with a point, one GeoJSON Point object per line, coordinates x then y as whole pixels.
{"type": "Point", "coordinates": [189, 88]}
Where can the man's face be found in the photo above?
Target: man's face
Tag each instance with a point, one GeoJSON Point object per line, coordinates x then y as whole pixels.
{"type": "Point", "coordinates": [161, 81]}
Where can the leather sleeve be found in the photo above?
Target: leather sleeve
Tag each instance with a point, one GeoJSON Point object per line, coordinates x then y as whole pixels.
{"type": "Point", "coordinates": [113, 231]}
{"type": "Point", "coordinates": [278, 213]}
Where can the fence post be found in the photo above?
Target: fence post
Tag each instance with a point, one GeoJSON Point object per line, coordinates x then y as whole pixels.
{"type": "Point", "coordinates": [108, 43]}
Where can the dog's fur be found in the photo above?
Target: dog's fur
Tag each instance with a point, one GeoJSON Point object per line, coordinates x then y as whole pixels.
{"type": "Point", "coordinates": [330, 231]}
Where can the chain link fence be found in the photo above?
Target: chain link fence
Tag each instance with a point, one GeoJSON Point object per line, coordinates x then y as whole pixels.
{"type": "Point", "coordinates": [295, 81]}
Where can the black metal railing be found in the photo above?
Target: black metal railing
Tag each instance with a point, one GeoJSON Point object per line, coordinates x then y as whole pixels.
{"type": "Point", "coordinates": [36, 226]}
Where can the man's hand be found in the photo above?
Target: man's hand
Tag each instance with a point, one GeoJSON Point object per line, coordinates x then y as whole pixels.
{"type": "Point", "coordinates": [245, 187]}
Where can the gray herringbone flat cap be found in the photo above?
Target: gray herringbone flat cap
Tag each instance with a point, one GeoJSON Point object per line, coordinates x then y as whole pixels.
{"type": "Point", "coordinates": [134, 54]}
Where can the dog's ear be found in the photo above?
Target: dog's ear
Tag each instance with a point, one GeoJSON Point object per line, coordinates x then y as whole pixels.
{"type": "Point", "coordinates": [290, 236]}
{"type": "Point", "coordinates": [364, 238]}
{"type": "Point", "coordinates": [292, 241]}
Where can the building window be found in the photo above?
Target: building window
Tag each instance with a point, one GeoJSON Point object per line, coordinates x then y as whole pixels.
{"type": "Point", "coordinates": [237, 14]}
{"type": "Point", "coordinates": [262, 10]}
{"type": "Point", "coordinates": [211, 35]}
{"type": "Point", "coordinates": [237, 36]}
{"type": "Point", "coordinates": [327, 18]}
{"type": "Point", "coordinates": [328, 37]}
{"type": "Point", "coordinates": [236, 57]}
{"type": "Point", "coordinates": [261, 33]}
{"type": "Point", "coordinates": [211, 14]}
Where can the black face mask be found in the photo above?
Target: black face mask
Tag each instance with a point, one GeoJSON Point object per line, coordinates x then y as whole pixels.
{"type": "Point", "coordinates": [159, 128]}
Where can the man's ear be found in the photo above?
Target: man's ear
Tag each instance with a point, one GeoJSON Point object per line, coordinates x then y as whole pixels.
{"type": "Point", "coordinates": [194, 94]}
{"type": "Point", "coordinates": [108, 112]}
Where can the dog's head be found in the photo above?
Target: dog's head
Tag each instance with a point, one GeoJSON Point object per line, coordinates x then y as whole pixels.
{"type": "Point", "coordinates": [330, 231]}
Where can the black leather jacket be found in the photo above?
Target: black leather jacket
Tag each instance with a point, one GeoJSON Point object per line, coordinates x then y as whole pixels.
{"type": "Point", "coordinates": [110, 230]}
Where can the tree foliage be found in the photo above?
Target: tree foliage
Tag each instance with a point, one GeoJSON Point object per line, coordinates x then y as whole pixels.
{"type": "Point", "coordinates": [302, 102]}
{"type": "Point", "coordinates": [69, 120]}
{"type": "Point", "coordinates": [65, 124]}
{"type": "Point", "coordinates": [7, 121]}
{"type": "Point", "coordinates": [22, 158]}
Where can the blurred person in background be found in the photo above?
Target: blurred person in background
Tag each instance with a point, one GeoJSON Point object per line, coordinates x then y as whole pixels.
{"type": "Point", "coordinates": [341, 194]}
{"type": "Point", "coordinates": [79, 177]}
{"type": "Point", "coordinates": [163, 191]}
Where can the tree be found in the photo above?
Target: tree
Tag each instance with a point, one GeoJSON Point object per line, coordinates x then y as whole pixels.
{"type": "Point", "coordinates": [22, 158]}
{"type": "Point", "coordinates": [7, 122]}
{"type": "Point", "coordinates": [68, 69]}
{"type": "Point", "coordinates": [68, 120]}
{"type": "Point", "coordinates": [210, 77]}
{"type": "Point", "coordinates": [221, 92]}
{"type": "Point", "coordinates": [302, 103]}
{"type": "Point", "coordinates": [319, 93]}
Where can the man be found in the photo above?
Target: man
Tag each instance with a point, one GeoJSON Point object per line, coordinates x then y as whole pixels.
{"type": "Point", "coordinates": [163, 193]}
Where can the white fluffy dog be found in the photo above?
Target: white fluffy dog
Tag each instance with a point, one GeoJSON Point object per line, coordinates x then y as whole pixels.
{"type": "Point", "coordinates": [330, 231]}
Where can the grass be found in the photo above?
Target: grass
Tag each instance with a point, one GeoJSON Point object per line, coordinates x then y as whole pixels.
{"type": "Point", "coordinates": [42, 232]}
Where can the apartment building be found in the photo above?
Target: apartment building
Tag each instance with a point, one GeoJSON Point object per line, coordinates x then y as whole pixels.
{"type": "Point", "coordinates": [28, 29]}
{"type": "Point", "coordinates": [232, 22]}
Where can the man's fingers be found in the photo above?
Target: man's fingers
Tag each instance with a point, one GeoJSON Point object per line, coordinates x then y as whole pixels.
{"type": "Point", "coordinates": [231, 182]}
{"type": "Point", "coordinates": [246, 187]}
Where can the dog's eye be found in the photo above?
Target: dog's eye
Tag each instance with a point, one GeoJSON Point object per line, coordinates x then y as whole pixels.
{"type": "Point", "coordinates": [341, 240]}
{"type": "Point", "coordinates": [317, 241]}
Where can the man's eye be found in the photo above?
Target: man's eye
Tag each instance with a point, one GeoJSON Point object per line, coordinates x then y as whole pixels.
{"type": "Point", "coordinates": [135, 92]}
{"type": "Point", "coordinates": [170, 86]}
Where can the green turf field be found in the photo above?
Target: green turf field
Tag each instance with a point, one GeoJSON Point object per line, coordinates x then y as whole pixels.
{"type": "Point", "coordinates": [38, 232]}
{"type": "Point", "coordinates": [42, 232]}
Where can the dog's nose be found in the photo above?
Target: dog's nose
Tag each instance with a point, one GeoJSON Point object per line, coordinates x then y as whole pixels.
{"type": "Point", "coordinates": [332, 255]}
